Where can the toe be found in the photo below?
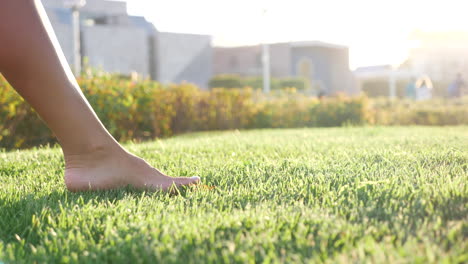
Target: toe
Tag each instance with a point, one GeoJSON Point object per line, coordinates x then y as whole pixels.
{"type": "Point", "coordinates": [186, 181]}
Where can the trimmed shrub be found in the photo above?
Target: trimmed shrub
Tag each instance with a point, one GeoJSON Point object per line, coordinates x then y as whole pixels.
{"type": "Point", "coordinates": [19, 124]}
{"type": "Point", "coordinates": [299, 83]}
{"type": "Point", "coordinates": [146, 110]}
{"type": "Point", "coordinates": [226, 81]}
{"type": "Point", "coordinates": [435, 112]}
{"type": "Point", "coordinates": [236, 81]}
{"type": "Point", "coordinates": [379, 87]}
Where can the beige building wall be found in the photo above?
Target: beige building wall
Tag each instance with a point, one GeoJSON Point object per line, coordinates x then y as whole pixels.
{"type": "Point", "coordinates": [183, 57]}
{"type": "Point", "coordinates": [117, 49]}
{"type": "Point", "coordinates": [280, 60]}
{"type": "Point", "coordinates": [245, 60]}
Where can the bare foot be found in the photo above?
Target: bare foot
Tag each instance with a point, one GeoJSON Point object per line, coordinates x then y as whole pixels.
{"type": "Point", "coordinates": [104, 169]}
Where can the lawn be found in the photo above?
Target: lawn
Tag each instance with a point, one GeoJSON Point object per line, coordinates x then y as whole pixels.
{"type": "Point", "coordinates": [331, 195]}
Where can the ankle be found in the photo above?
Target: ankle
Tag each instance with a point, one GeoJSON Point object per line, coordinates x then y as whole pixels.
{"type": "Point", "coordinates": [91, 154]}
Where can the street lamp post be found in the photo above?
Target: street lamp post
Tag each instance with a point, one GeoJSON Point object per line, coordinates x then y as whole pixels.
{"type": "Point", "coordinates": [265, 57]}
{"type": "Point", "coordinates": [75, 6]}
{"type": "Point", "coordinates": [266, 68]}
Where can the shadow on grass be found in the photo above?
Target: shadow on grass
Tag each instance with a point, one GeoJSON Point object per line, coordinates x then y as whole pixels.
{"type": "Point", "coordinates": [16, 218]}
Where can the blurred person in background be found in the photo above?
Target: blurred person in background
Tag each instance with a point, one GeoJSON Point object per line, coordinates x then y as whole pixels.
{"type": "Point", "coordinates": [423, 89]}
{"type": "Point", "coordinates": [456, 88]}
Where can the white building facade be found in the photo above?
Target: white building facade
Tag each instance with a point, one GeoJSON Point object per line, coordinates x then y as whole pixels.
{"type": "Point", "coordinates": [440, 55]}
{"type": "Point", "coordinates": [113, 41]}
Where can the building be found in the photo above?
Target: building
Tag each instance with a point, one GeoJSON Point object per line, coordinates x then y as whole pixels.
{"type": "Point", "coordinates": [324, 65]}
{"type": "Point", "coordinates": [439, 55]}
{"type": "Point", "coordinates": [116, 42]}
{"type": "Point", "coordinates": [383, 80]}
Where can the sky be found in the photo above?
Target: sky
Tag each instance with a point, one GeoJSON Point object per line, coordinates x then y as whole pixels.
{"type": "Point", "coordinates": [376, 31]}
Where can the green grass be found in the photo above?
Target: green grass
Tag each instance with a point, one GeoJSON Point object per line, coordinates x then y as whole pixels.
{"type": "Point", "coordinates": [291, 196]}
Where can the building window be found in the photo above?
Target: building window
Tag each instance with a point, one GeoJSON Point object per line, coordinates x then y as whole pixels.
{"type": "Point", "coordinates": [233, 63]}
{"type": "Point", "coordinates": [101, 21]}
{"type": "Point", "coordinates": [305, 69]}
{"type": "Point", "coordinates": [259, 60]}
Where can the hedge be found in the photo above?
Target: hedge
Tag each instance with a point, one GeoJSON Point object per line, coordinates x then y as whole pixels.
{"type": "Point", "coordinates": [436, 112]}
{"type": "Point", "coordinates": [237, 81]}
{"type": "Point", "coordinates": [146, 110]}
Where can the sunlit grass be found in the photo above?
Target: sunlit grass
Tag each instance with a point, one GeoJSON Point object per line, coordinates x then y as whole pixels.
{"type": "Point", "coordinates": [291, 196]}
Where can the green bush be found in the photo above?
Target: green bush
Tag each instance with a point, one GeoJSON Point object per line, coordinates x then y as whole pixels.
{"type": "Point", "coordinates": [298, 83]}
{"type": "Point", "coordinates": [19, 124]}
{"type": "Point", "coordinates": [236, 81]}
{"type": "Point", "coordinates": [145, 110]}
{"type": "Point", "coordinates": [435, 112]}
{"type": "Point", "coordinates": [226, 81]}
{"type": "Point", "coordinates": [379, 87]}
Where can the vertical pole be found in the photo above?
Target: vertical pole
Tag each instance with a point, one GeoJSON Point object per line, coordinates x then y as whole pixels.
{"type": "Point", "coordinates": [265, 54]}
{"type": "Point", "coordinates": [76, 41]}
{"type": "Point", "coordinates": [266, 68]}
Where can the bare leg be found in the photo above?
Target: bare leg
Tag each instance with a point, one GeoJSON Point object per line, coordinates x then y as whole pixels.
{"type": "Point", "coordinates": [32, 61]}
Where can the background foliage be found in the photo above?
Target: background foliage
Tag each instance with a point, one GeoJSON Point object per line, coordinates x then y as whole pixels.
{"type": "Point", "coordinates": [236, 81]}
{"type": "Point", "coordinates": [378, 87]}
{"type": "Point", "coordinates": [145, 110]}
